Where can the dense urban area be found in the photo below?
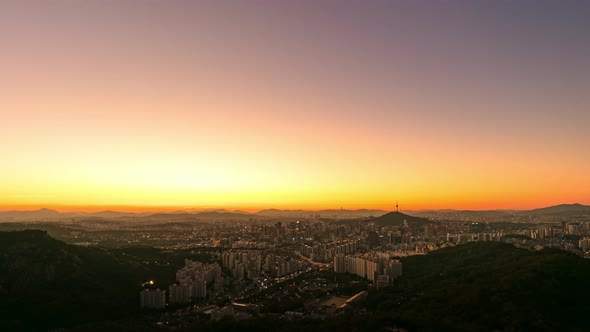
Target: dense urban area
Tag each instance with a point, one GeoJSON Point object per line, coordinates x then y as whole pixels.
{"type": "Point", "coordinates": [293, 266]}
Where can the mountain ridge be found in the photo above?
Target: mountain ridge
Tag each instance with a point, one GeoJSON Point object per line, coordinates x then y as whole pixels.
{"type": "Point", "coordinates": [46, 214]}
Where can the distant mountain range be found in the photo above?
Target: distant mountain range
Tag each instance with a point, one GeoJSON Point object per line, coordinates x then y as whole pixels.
{"type": "Point", "coordinates": [210, 215]}
{"type": "Point", "coordinates": [381, 216]}
{"type": "Point", "coordinates": [467, 213]}
{"type": "Point", "coordinates": [53, 215]}
{"type": "Point", "coordinates": [563, 210]}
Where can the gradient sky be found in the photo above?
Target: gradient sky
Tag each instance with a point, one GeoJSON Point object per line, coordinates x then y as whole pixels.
{"type": "Point", "coordinates": [294, 104]}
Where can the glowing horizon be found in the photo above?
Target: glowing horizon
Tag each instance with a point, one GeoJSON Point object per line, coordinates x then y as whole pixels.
{"type": "Point", "coordinates": [254, 209]}
{"type": "Point", "coordinates": [288, 105]}
{"type": "Point", "coordinates": [166, 209]}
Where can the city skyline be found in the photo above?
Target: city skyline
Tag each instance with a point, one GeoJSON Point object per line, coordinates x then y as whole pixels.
{"type": "Point", "coordinates": [174, 105]}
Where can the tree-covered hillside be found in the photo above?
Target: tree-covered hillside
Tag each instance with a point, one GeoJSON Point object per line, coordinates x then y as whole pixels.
{"type": "Point", "coordinates": [45, 283]}
{"type": "Point", "coordinates": [490, 286]}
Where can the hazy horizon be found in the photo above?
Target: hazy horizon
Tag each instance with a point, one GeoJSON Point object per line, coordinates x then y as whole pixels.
{"type": "Point", "coordinates": [168, 209]}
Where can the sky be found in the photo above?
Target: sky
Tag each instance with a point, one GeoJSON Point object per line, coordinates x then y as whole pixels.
{"type": "Point", "coordinates": [294, 104]}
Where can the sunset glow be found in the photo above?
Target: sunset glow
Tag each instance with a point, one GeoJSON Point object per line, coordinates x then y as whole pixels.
{"type": "Point", "coordinates": [327, 106]}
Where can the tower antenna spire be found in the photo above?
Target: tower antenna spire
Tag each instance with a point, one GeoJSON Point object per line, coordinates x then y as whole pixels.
{"type": "Point", "coordinates": [396, 206]}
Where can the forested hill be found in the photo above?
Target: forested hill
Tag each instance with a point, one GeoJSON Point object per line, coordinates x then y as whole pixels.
{"type": "Point", "coordinates": [487, 286]}
{"type": "Point", "coordinates": [45, 283]}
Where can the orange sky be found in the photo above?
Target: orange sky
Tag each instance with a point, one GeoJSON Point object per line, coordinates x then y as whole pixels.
{"type": "Point", "coordinates": [104, 106]}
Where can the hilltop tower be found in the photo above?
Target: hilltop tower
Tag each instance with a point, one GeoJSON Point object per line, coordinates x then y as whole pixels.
{"type": "Point", "coordinates": [396, 207]}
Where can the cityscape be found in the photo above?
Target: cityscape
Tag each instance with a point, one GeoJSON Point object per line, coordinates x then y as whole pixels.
{"type": "Point", "coordinates": [287, 166]}
{"type": "Point", "coordinates": [292, 267]}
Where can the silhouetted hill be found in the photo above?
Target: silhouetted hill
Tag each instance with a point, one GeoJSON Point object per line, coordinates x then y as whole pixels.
{"type": "Point", "coordinates": [488, 286]}
{"type": "Point", "coordinates": [169, 217]}
{"type": "Point", "coordinates": [35, 215]}
{"type": "Point", "coordinates": [398, 219]}
{"type": "Point", "coordinates": [566, 210]}
{"type": "Point", "coordinates": [53, 215]}
{"type": "Point", "coordinates": [45, 283]}
{"type": "Point", "coordinates": [115, 214]}
{"type": "Point", "coordinates": [193, 217]}
{"type": "Point", "coordinates": [222, 215]}
{"type": "Point", "coordinates": [282, 213]}
{"type": "Point", "coordinates": [453, 214]}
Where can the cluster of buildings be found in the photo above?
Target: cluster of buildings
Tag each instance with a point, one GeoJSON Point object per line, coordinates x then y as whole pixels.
{"type": "Point", "coordinates": [250, 245]}
{"type": "Point", "coordinates": [280, 266]}
{"type": "Point", "coordinates": [325, 252]}
{"type": "Point", "coordinates": [257, 257]}
{"type": "Point", "coordinates": [575, 228]}
{"type": "Point", "coordinates": [152, 299]}
{"type": "Point", "coordinates": [565, 228]}
{"type": "Point", "coordinates": [542, 233]}
{"type": "Point", "coordinates": [570, 236]}
{"type": "Point", "coordinates": [584, 243]}
{"type": "Point", "coordinates": [469, 237]}
{"type": "Point", "coordinates": [243, 264]}
{"type": "Point", "coordinates": [248, 264]}
{"type": "Point", "coordinates": [375, 267]}
{"type": "Point", "coordinates": [192, 282]}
